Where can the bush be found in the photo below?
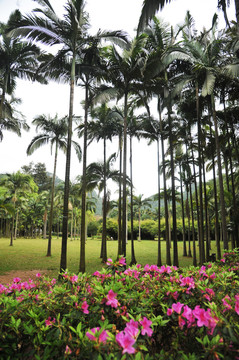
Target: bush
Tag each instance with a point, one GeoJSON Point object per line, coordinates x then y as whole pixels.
{"type": "Point", "coordinates": [138, 313]}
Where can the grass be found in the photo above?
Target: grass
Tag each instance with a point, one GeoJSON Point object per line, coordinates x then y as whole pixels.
{"type": "Point", "coordinates": [30, 254]}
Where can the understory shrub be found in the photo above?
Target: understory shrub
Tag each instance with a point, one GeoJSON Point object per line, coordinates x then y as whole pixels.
{"type": "Point", "coordinates": [125, 313]}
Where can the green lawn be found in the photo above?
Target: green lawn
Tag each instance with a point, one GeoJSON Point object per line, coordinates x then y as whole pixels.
{"type": "Point", "coordinates": [30, 254]}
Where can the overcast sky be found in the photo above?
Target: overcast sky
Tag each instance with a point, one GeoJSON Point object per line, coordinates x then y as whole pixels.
{"type": "Point", "coordinates": [54, 98]}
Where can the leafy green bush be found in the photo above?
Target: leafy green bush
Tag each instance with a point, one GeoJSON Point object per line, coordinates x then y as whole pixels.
{"type": "Point", "coordinates": [139, 313]}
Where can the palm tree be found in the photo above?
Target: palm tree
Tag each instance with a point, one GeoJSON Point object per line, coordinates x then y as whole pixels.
{"type": "Point", "coordinates": [124, 71]}
{"type": "Point", "coordinates": [17, 184]}
{"type": "Point", "coordinates": [150, 7]}
{"type": "Point", "coordinates": [18, 59]}
{"type": "Point", "coordinates": [97, 175]}
{"type": "Point", "coordinates": [54, 131]}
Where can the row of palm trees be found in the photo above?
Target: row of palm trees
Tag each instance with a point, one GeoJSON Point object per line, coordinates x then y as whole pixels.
{"type": "Point", "coordinates": [186, 73]}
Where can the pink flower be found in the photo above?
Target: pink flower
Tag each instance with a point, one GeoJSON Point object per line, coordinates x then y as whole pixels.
{"type": "Point", "coordinates": [145, 323]}
{"type": "Point", "coordinates": [101, 338]}
{"type": "Point", "coordinates": [68, 350]}
{"type": "Point", "coordinates": [237, 304]}
{"type": "Point", "coordinates": [187, 281]}
{"type": "Point", "coordinates": [169, 312]}
{"type": "Point", "coordinates": [126, 342]}
{"type": "Point", "coordinates": [111, 299]}
{"type": "Point", "coordinates": [84, 307]}
{"type": "Point", "coordinates": [122, 261]}
{"type": "Point", "coordinates": [188, 315]}
{"type": "Point", "coordinates": [38, 275]}
{"type": "Point", "coordinates": [177, 307]}
{"type": "Point", "coordinates": [53, 281]}
{"type": "Point", "coordinates": [226, 300]}
{"type": "Point", "coordinates": [202, 316]}
{"type": "Point", "coordinates": [223, 260]}
{"type": "Point", "coordinates": [16, 280]}
{"type": "Point", "coordinates": [132, 328]}
{"type": "Point", "coordinates": [109, 262]}
{"type": "Point", "coordinates": [74, 278]}
{"type": "Point", "coordinates": [50, 322]}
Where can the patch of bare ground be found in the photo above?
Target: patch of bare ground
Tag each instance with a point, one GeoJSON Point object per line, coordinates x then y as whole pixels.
{"type": "Point", "coordinates": [24, 275]}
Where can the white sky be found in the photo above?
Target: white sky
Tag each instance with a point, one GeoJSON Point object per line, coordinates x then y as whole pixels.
{"type": "Point", "coordinates": [54, 98]}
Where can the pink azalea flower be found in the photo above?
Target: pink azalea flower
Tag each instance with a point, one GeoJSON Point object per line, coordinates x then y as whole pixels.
{"type": "Point", "coordinates": [226, 300]}
{"type": "Point", "coordinates": [53, 281]}
{"type": "Point", "coordinates": [188, 315]}
{"type": "Point", "coordinates": [181, 322]}
{"type": "Point", "coordinates": [50, 322]}
{"type": "Point", "coordinates": [132, 328]}
{"type": "Point", "coordinates": [237, 304]}
{"type": "Point", "coordinates": [187, 281]}
{"type": "Point", "coordinates": [111, 299]}
{"type": "Point", "coordinates": [147, 267]}
{"type": "Point", "coordinates": [145, 323]}
{"type": "Point", "coordinates": [16, 280]}
{"type": "Point", "coordinates": [96, 273]}
{"type": "Point", "coordinates": [177, 307]}
{"type": "Point", "coordinates": [122, 261]}
{"type": "Point", "coordinates": [84, 307]}
{"type": "Point", "coordinates": [202, 316]}
{"type": "Point", "coordinates": [109, 262]}
{"type": "Point", "coordinates": [38, 275]}
{"type": "Point", "coordinates": [126, 342]}
{"type": "Point", "coordinates": [74, 278]}
{"type": "Point", "coordinates": [102, 336]}
{"type": "Point", "coordinates": [223, 260]}
{"type": "Point", "coordinates": [169, 312]}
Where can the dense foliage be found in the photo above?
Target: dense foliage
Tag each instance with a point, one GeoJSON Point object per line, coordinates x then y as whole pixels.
{"type": "Point", "coordinates": [125, 313]}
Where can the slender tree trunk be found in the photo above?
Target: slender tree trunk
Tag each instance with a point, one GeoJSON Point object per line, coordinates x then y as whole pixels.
{"type": "Point", "coordinates": [221, 188]}
{"type": "Point", "coordinates": [104, 242]}
{"type": "Point", "coordinates": [174, 232]}
{"type": "Point", "coordinates": [206, 212]}
{"type": "Point", "coordinates": [183, 215]}
{"type": "Point", "coordinates": [63, 264]}
{"type": "Point", "coordinates": [215, 202]}
{"type": "Point", "coordinates": [159, 258]}
{"type": "Point", "coordinates": [124, 213]}
{"type": "Point", "coordinates": [189, 227]}
{"type": "Point", "coordinates": [16, 224]}
{"type": "Point", "coordinates": [83, 191]}
{"type": "Point", "coordinates": [45, 223]}
{"type": "Point", "coordinates": [168, 256]}
{"type": "Point", "coordinates": [133, 259]}
{"type": "Point", "coordinates": [52, 202]}
{"type": "Point", "coordinates": [120, 200]}
{"type": "Point", "coordinates": [201, 217]}
{"type": "Point", "coordinates": [193, 228]}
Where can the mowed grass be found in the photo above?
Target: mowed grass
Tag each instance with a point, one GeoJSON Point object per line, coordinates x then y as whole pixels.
{"type": "Point", "coordinates": [30, 254]}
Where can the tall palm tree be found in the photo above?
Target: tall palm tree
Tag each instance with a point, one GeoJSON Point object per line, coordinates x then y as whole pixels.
{"type": "Point", "coordinates": [69, 34]}
{"type": "Point", "coordinates": [55, 132]}
{"type": "Point", "coordinates": [124, 71]}
{"type": "Point", "coordinates": [97, 175]}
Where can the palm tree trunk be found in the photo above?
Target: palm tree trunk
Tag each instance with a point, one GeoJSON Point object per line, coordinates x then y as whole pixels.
{"type": "Point", "coordinates": [45, 223]}
{"type": "Point", "coordinates": [237, 15]}
{"type": "Point", "coordinates": [83, 191]}
{"type": "Point", "coordinates": [221, 188]}
{"type": "Point", "coordinates": [133, 259]}
{"type": "Point", "coordinates": [120, 199]}
{"type": "Point", "coordinates": [215, 202]}
{"type": "Point", "coordinates": [159, 257]}
{"type": "Point", "coordinates": [63, 264]}
{"type": "Point", "coordinates": [201, 220]}
{"type": "Point", "coordinates": [52, 202]}
{"type": "Point", "coordinates": [183, 215]}
{"type": "Point", "coordinates": [174, 232]}
{"type": "Point", "coordinates": [124, 212]}
{"type": "Point", "coordinates": [168, 256]}
{"type": "Point", "coordinates": [104, 244]}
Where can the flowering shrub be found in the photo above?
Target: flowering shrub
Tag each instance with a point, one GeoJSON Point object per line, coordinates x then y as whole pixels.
{"type": "Point", "coordinates": [124, 313]}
